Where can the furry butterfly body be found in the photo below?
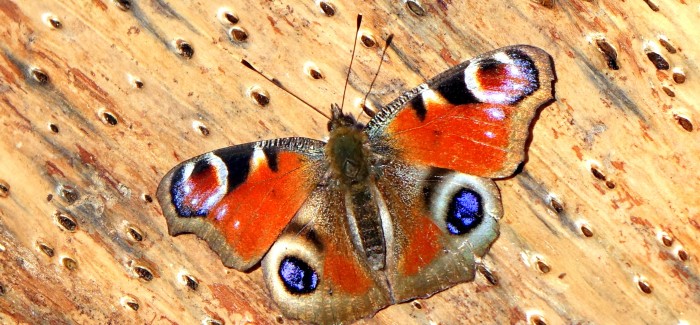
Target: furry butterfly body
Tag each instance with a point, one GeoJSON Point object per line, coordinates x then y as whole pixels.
{"type": "Point", "coordinates": [380, 214]}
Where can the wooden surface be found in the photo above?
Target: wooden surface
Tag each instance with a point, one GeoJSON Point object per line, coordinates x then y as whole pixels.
{"type": "Point", "coordinates": [601, 226]}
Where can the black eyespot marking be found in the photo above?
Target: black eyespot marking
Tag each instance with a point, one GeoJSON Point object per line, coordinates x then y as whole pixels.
{"type": "Point", "coordinates": [465, 212]}
{"type": "Point", "coordinates": [238, 164]}
{"type": "Point", "coordinates": [298, 277]}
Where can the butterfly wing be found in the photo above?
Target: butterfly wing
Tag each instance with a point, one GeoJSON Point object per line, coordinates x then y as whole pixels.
{"type": "Point", "coordinates": [239, 199]}
{"type": "Point", "coordinates": [473, 118]}
{"type": "Point", "coordinates": [438, 145]}
{"type": "Point", "coordinates": [314, 270]}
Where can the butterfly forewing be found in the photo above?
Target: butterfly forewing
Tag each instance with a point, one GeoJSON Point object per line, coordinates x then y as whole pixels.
{"type": "Point", "coordinates": [239, 199]}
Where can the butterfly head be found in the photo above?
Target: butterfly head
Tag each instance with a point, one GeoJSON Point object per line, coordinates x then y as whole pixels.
{"type": "Point", "coordinates": [340, 119]}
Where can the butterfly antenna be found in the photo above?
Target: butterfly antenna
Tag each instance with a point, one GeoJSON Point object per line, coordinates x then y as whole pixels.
{"type": "Point", "coordinates": [352, 58]}
{"type": "Point", "coordinates": [366, 109]}
{"type": "Point", "coordinates": [279, 85]}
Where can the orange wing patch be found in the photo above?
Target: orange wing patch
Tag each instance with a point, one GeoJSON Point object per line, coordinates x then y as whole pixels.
{"type": "Point", "coordinates": [470, 138]}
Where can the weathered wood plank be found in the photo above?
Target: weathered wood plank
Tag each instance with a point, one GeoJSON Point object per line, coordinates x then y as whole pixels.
{"type": "Point", "coordinates": [608, 198]}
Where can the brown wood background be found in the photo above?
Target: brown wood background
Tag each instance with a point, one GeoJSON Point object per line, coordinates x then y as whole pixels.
{"type": "Point", "coordinates": [97, 103]}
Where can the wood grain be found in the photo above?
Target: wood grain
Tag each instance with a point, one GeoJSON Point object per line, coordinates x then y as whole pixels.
{"type": "Point", "coordinates": [601, 226]}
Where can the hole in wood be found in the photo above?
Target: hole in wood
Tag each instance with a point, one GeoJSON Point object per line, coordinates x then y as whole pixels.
{"type": "Point", "coordinates": [147, 198]}
{"type": "Point", "coordinates": [238, 34]}
{"type": "Point", "coordinates": [227, 17]}
{"type": "Point", "coordinates": [143, 273]}
{"type": "Point", "coordinates": [586, 230]}
{"type": "Point", "coordinates": [134, 234]}
{"type": "Point", "coordinates": [69, 263]}
{"type": "Point", "coordinates": [108, 118]}
{"type": "Point", "coordinates": [367, 40]}
{"type": "Point", "coordinates": [184, 49]}
{"type": "Point", "coordinates": [682, 254]}
{"type": "Point", "coordinates": [486, 272]}
{"type": "Point", "coordinates": [68, 193]}
{"type": "Point", "coordinates": [123, 4]}
{"type": "Point", "coordinates": [665, 239]}
{"type": "Point", "coordinates": [667, 44]}
{"type": "Point", "coordinates": [49, 197]}
{"type": "Point", "coordinates": [417, 305]}
{"type": "Point", "coordinates": [415, 7]}
{"type": "Point", "coordinates": [46, 249]}
{"type": "Point", "coordinates": [130, 303]}
{"type": "Point", "coordinates": [610, 184]}
{"type": "Point", "coordinates": [659, 61]}
{"type": "Point", "coordinates": [556, 205]}
{"type": "Point", "coordinates": [4, 189]}
{"type": "Point", "coordinates": [327, 8]}
{"type": "Point", "coordinates": [542, 266]}
{"type": "Point", "coordinates": [52, 21]}
{"type": "Point", "coordinates": [609, 53]}
{"type": "Point", "coordinates": [201, 128]}
{"type": "Point", "coordinates": [53, 128]}
{"type": "Point", "coordinates": [66, 221]}
{"type": "Point", "coordinates": [311, 70]}
{"type": "Point", "coordinates": [259, 96]}
{"type": "Point", "coordinates": [643, 285]}
{"type": "Point", "coordinates": [279, 319]}
{"type": "Point", "coordinates": [678, 75]}
{"type": "Point", "coordinates": [39, 76]}
{"type": "Point", "coordinates": [668, 91]}
{"type": "Point", "coordinates": [597, 173]}
{"type": "Point", "coordinates": [652, 5]}
{"type": "Point", "coordinates": [190, 281]}
{"type": "Point", "coordinates": [684, 123]}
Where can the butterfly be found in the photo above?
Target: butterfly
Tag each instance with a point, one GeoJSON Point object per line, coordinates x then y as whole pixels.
{"type": "Point", "coordinates": [382, 213]}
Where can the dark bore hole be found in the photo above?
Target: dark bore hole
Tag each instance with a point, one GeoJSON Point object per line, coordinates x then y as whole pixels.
{"type": "Point", "coordinates": [231, 18]}
{"type": "Point", "coordinates": [682, 255]}
{"type": "Point", "coordinates": [279, 319]}
{"type": "Point", "coordinates": [490, 277]}
{"type": "Point", "coordinates": [3, 291]}
{"type": "Point", "coordinates": [665, 43]}
{"type": "Point", "coordinates": [238, 34]}
{"type": "Point", "coordinates": [644, 286]}
{"type": "Point", "coordinates": [4, 189]}
{"type": "Point", "coordinates": [652, 5]}
{"type": "Point", "coordinates": [147, 198]}
{"type": "Point", "coordinates": [135, 234]}
{"type": "Point", "coordinates": [138, 84]}
{"type": "Point", "coordinates": [609, 53]}
{"type": "Point", "coordinates": [204, 130]}
{"type": "Point", "coordinates": [327, 8]}
{"type": "Point", "coordinates": [260, 98]}
{"type": "Point", "coordinates": [133, 305]}
{"type": "Point", "coordinates": [597, 174]}
{"type": "Point", "coordinates": [184, 49]}
{"type": "Point", "coordinates": [46, 249]}
{"type": "Point", "coordinates": [684, 123]}
{"type": "Point", "coordinates": [367, 41]}
{"type": "Point", "coordinates": [69, 194]}
{"type": "Point", "coordinates": [659, 62]}
{"type": "Point", "coordinates": [123, 4]}
{"type": "Point", "coordinates": [66, 221]}
{"type": "Point", "coordinates": [55, 23]}
{"type": "Point", "coordinates": [666, 240]}
{"type": "Point", "coordinates": [537, 320]}
{"type": "Point", "coordinates": [315, 74]}
{"type": "Point", "coordinates": [586, 231]}
{"type": "Point", "coordinates": [39, 76]}
{"type": "Point", "coordinates": [558, 208]}
{"type": "Point", "coordinates": [191, 282]}
{"type": "Point", "coordinates": [143, 273]}
{"type": "Point", "coordinates": [543, 267]}
{"type": "Point", "coordinates": [417, 304]}
{"type": "Point", "coordinates": [668, 91]}
{"type": "Point", "coordinates": [415, 8]}
{"type": "Point", "coordinates": [678, 77]}
{"type": "Point", "coordinates": [53, 128]}
{"type": "Point", "coordinates": [610, 184]}
{"type": "Point", "coordinates": [69, 263]}
{"type": "Point", "coordinates": [109, 118]}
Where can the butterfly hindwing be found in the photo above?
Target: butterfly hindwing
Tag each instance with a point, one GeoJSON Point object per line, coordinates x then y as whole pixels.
{"type": "Point", "coordinates": [473, 118]}
{"type": "Point", "coordinates": [239, 199]}
{"type": "Point", "coordinates": [315, 272]}
{"type": "Point", "coordinates": [442, 223]}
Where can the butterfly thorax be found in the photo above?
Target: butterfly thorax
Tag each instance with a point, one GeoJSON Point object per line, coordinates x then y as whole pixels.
{"type": "Point", "coordinates": [349, 157]}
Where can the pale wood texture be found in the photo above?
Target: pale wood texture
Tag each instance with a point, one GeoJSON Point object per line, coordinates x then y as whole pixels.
{"type": "Point", "coordinates": [636, 126]}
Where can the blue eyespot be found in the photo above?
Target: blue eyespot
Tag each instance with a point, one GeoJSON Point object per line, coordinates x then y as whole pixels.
{"type": "Point", "coordinates": [297, 276]}
{"type": "Point", "coordinates": [465, 212]}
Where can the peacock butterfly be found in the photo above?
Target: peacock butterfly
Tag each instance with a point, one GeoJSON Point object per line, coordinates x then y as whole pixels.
{"type": "Point", "coordinates": [382, 213]}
